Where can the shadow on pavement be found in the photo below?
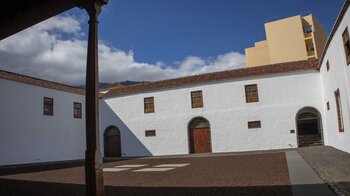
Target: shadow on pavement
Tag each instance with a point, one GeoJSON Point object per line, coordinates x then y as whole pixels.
{"type": "Point", "coordinates": [10, 187]}
{"type": "Point", "coordinates": [29, 168]}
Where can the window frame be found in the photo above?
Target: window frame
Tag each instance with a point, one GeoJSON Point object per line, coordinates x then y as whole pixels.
{"type": "Point", "coordinates": [150, 133]}
{"type": "Point", "coordinates": [339, 110]}
{"type": "Point", "coordinates": [79, 115]}
{"type": "Point", "coordinates": [48, 101]}
{"type": "Point", "coordinates": [328, 65]}
{"type": "Point", "coordinates": [308, 27]}
{"type": "Point", "coordinates": [254, 124]}
{"type": "Point", "coordinates": [346, 44]}
{"type": "Point", "coordinates": [197, 100]}
{"type": "Point", "coordinates": [148, 105]}
{"type": "Point", "coordinates": [249, 98]}
{"type": "Point", "coordinates": [328, 106]}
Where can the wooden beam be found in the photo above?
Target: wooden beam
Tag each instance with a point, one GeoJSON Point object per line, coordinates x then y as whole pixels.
{"type": "Point", "coordinates": [93, 160]}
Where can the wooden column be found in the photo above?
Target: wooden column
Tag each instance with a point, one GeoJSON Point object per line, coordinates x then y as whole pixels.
{"type": "Point", "coordinates": [93, 160]}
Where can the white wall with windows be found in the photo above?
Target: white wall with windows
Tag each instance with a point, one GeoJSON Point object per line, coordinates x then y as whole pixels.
{"type": "Point", "coordinates": [337, 77]}
{"type": "Point", "coordinates": [29, 136]}
{"type": "Point", "coordinates": [281, 96]}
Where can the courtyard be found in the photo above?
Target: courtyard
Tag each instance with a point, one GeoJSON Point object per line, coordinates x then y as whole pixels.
{"type": "Point", "coordinates": [249, 173]}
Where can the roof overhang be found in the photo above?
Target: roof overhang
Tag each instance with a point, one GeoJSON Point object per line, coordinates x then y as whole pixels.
{"type": "Point", "coordinates": [17, 15]}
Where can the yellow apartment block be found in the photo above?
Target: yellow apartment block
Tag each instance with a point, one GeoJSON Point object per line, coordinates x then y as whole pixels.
{"type": "Point", "coordinates": [290, 39]}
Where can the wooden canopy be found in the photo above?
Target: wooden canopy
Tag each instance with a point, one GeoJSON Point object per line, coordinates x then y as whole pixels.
{"type": "Point", "coordinates": [17, 15]}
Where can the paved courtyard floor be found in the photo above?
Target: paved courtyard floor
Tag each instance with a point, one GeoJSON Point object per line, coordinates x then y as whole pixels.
{"type": "Point", "coordinates": [261, 173]}
{"type": "Point", "coordinates": [332, 165]}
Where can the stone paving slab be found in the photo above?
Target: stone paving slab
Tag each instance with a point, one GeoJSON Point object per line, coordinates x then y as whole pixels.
{"type": "Point", "coordinates": [331, 164]}
{"type": "Point", "coordinates": [114, 169]}
{"type": "Point", "coordinates": [132, 166]}
{"type": "Point", "coordinates": [303, 179]}
{"type": "Point", "coordinates": [153, 169]}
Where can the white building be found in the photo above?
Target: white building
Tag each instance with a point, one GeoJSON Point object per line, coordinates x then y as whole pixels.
{"type": "Point", "coordinates": [282, 91]}
{"type": "Point", "coordinates": [335, 75]}
{"type": "Point", "coordinates": [29, 133]}
{"type": "Point", "coordinates": [270, 107]}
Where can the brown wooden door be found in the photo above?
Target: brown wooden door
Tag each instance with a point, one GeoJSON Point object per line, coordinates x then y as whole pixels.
{"type": "Point", "coordinates": [200, 138]}
{"type": "Point", "coordinates": [113, 146]}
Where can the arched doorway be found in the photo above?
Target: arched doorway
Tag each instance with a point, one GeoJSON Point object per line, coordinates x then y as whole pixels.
{"type": "Point", "coordinates": [112, 144]}
{"type": "Point", "coordinates": [309, 127]}
{"type": "Point", "coordinates": [199, 135]}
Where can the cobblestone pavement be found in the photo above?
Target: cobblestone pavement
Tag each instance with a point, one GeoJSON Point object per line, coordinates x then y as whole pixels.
{"type": "Point", "coordinates": [252, 174]}
{"type": "Point", "coordinates": [332, 165]}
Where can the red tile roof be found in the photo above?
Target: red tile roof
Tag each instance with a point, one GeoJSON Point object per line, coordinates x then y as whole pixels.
{"type": "Point", "coordinates": [216, 76]}
{"type": "Point", "coordinates": [40, 82]}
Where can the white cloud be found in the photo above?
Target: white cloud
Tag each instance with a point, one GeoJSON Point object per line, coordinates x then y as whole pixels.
{"type": "Point", "coordinates": [56, 50]}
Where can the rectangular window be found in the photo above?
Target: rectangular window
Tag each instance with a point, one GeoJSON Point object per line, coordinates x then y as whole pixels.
{"type": "Point", "coordinates": [254, 124]}
{"type": "Point", "coordinates": [48, 106]}
{"type": "Point", "coordinates": [327, 65]}
{"type": "Point", "coordinates": [346, 42]}
{"type": "Point", "coordinates": [328, 107]}
{"type": "Point", "coordinates": [77, 110]}
{"type": "Point", "coordinates": [310, 48]}
{"type": "Point", "coordinates": [251, 93]}
{"type": "Point", "coordinates": [150, 133]}
{"type": "Point", "coordinates": [308, 29]}
{"type": "Point", "coordinates": [339, 110]}
{"type": "Point", "coordinates": [197, 99]}
{"type": "Point", "coordinates": [149, 104]}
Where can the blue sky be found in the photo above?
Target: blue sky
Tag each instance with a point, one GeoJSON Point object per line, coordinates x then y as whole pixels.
{"type": "Point", "coordinates": [170, 30]}
{"type": "Point", "coordinates": [148, 40]}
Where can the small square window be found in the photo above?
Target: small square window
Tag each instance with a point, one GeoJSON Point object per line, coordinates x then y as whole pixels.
{"type": "Point", "coordinates": [197, 99]}
{"type": "Point", "coordinates": [150, 133]}
{"type": "Point", "coordinates": [77, 110]}
{"type": "Point", "coordinates": [254, 124]}
{"type": "Point", "coordinates": [310, 48]}
{"type": "Point", "coordinates": [149, 105]}
{"type": "Point", "coordinates": [308, 29]}
{"type": "Point", "coordinates": [327, 65]}
{"type": "Point", "coordinates": [48, 106]}
{"type": "Point", "coordinates": [251, 93]}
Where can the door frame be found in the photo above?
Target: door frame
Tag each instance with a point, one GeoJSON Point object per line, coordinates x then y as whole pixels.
{"type": "Point", "coordinates": [189, 129]}
{"type": "Point", "coordinates": [319, 122]}
{"type": "Point", "coordinates": [105, 140]}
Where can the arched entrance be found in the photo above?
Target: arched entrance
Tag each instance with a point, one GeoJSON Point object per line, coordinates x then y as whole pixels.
{"type": "Point", "coordinates": [199, 135]}
{"type": "Point", "coordinates": [112, 144]}
{"type": "Point", "coordinates": [309, 127]}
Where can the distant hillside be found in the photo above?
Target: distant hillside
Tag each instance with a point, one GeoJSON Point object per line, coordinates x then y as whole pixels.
{"type": "Point", "coordinates": [125, 83]}
{"type": "Point", "coordinates": [128, 82]}
{"type": "Point", "coordinates": [101, 85]}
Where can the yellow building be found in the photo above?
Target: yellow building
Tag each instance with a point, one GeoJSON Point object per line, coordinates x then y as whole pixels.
{"type": "Point", "coordinates": [290, 39]}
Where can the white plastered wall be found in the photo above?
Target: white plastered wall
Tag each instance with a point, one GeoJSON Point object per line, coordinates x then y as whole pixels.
{"type": "Point", "coordinates": [280, 98]}
{"type": "Point", "coordinates": [338, 76]}
{"type": "Point", "coordinates": [28, 136]}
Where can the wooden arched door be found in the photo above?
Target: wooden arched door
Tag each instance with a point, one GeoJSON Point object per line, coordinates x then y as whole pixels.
{"type": "Point", "coordinates": [199, 135]}
{"type": "Point", "coordinates": [112, 142]}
